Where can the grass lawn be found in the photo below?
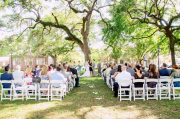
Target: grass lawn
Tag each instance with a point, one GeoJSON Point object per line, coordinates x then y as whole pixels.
{"type": "Point", "coordinates": [93, 100]}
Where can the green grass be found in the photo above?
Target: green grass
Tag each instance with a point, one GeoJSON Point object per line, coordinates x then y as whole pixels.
{"type": "Point", "coordinates": [93, 100]}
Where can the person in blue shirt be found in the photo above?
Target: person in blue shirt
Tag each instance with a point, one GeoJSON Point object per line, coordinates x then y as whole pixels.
{"type": "Point", "coordinates": [165, 71]}
{"type": "Point", "coordinates": [7, 76]}
{"type": "Point", "coordinates": [57, 76]}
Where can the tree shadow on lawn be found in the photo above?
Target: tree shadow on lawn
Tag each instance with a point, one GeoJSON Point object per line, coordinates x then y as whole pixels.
{"type": "Point", "coordinates": [83, 103]}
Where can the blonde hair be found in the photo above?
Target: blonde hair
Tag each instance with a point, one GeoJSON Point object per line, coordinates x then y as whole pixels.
{"type": "Point", "coordinates": [28, 70]}
{"type": "Point", "coordinates": [44, 70]}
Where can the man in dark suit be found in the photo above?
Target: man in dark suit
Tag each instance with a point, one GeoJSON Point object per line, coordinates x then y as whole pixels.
{"type": "Point", "coordinates": [165, 71]}
{"type": "Point", "coordinates": [7, 76]}
{"type": "Point", "coordinates": [74, 71]}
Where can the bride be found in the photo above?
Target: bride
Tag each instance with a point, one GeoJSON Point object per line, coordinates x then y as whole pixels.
{"type": "Point", "coordinates": [87, 73]}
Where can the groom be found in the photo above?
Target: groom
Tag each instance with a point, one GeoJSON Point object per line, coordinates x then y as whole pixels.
{"type": "Point", "coordinates": [94, 67]}
{"type": "Point", "coordinates": [99, 68]}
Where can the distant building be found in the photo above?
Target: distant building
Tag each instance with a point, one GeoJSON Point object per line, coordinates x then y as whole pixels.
{"type": "Point", "coordinates": [25, 61]}
{"type": "Point", "coordinates": [4, 61]}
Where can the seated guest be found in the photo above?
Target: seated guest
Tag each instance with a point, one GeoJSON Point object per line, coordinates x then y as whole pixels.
{"type": "Point", "coordinates": [35, 71]}
{"type": "Point", "coordinates": [107, 72]}
{"type": "Point", "coordinates": [175, 75]}
{"type": "Point", "coordinates": [74, 72]}
{"type": "Point", "coordinates": [145, 72]}
{"type": "Point", "coordinates": [117, 72]}
{"type": "Point", "coordinates": [7, 76]}
{"type": "Point", "coordinates": [27, 73]}
{"type": "Point", "coordinates": [164, 71]}
{"type": "Point", "coordinates": [66, 75]}
{"type": "Point", "coordinates": [39, 70]}
{"type": "Point", "coordinates": [153, 73]}
{"type": "Point", "coordinates": [18, 75]}
{"type": "Point", "coordinates": [44, 76]}
{"type": "Point", "coordinates": [57, 76]}
{"type": "Point", "coordinates": [49, 71]}
{"type": "Point", "coordinates": [130, 70]}
{"type": "Point", "coordinates": [124, 75]}
{"type": "Point", "coordinates": [112, 72]}
{"type": "Point", "coordinates": [138, 75]}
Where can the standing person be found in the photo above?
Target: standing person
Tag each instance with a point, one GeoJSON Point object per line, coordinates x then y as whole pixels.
{"type": "Point", "coordinates": [39, 70]}
{"type": "Point", "coordinates": [74, 72]}
{"type": "Point", "coordinates": [7, 76]}
{"type": "Point", "coordinates": [90, 67]}
{"type": "Point", "coordinates": [79, 68]}
{"type": "Point", "coordinates": [75, 65]}
{"type": "Point", "coordinates": [35, 71]}
{"type": "Point", "coordinates": [99, 67]}
{"type": "Point", "coordinates": [94, 67]}
{"type": "Point", "coordinates": [110, 62]}
{"type": "Point", "coordinates": [87, 73]}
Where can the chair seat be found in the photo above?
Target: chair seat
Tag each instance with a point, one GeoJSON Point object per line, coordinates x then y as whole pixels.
{"type": "Point", "coordinates": [125, 89]}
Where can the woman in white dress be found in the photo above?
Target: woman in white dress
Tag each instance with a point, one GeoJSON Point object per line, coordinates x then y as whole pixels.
{"type": "Point", "coordinates": [87, 73]}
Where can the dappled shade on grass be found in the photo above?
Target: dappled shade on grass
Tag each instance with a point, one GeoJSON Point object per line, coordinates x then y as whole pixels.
{"type": "Point", "coordinates": [92, 100]}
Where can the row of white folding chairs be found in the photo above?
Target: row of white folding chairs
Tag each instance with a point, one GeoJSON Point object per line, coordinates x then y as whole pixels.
{"type": "Point", "coordinates": [31, 90]}
{"type": "Point", "coordinates": [160, 89]}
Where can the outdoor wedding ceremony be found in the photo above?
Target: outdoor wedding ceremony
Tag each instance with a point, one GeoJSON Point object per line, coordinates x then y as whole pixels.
{"type": "Point", "coordinates": [89, 59]}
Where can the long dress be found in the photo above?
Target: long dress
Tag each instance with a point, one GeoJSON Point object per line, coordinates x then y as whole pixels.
{"type": "Point", "coordinates": [87, 73]}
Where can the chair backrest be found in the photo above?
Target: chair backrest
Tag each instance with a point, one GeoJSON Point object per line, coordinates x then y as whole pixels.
{"type": "Point", "coordinates": [27, 80]}
{"type": "Point", "coordinates": [152, 80]}
{"type": "Point", "coordinates": [6, 81]}
{"type": "Point", "coordinates": [165, 80]}
{"type": "Point", "coordinates": [18, 81]}
{"type": "Point", "coordinates": [56, 81]}
{"type": "Point", "coordinates": [44, 81]}
{"type": "Point", "coordinates": [125, 81]}
{"type": "Point", "coordinates": [139, 80]}
{"type": "Point", "coordinates": [177, 79]}
{"type": "Point", "coordinates": [112, 76]}
{"type": "Point", "coordinates": [164, 77]}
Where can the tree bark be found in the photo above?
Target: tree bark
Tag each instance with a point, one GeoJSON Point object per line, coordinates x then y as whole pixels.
{"type": "Point", "coordinates": [172, 53]}
{"type": "Point", "coordinates": [170, 36]}
{"type": "Point", "coordinates": [55, 59]}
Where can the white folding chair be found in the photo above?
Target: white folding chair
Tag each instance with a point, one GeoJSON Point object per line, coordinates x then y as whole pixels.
{"type": "Point", "coordinates": [31, 90]}
{"type": "Point", "coordinates": [44, 89]}
{"type": "Point", "coordinates": [174, 88]}
{"type": "Point", "coordinates": [124, 89]}
{"type": "Point", "coordinates": [165, 88]}
{"type": "Point", "coordinates": [135, 89]}
{"type": "Point", "coordinates": [149, 88]}
{"type": "Point", "coordinates": [60, 90]}
{"type": "Point", "coordinates": [74, 81]}
{"type": "Point", "coordinates": [107, 80]}
{"type": "Point", "coordinates": [5, 96]}
{"type": "Point", "coordinates": [164, 77]}
{"type": "Point", "coordinates": [112, 83]}
{"type": "Point", "coordinates": [71, 84]}
{"type": "Point", "coordinates": [21, 89]}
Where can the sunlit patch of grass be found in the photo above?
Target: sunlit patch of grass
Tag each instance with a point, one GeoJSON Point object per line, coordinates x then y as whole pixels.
{"type": "Point", "coordinates": [93, 100]}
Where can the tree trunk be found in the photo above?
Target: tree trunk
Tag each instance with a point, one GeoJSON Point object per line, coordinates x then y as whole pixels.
{"type": "Point", "coordinates": [55, 59]}
{"type": "Point", "coordinates": [172, 53]}
{"type": "Point", "coordinates": [172, 47]}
